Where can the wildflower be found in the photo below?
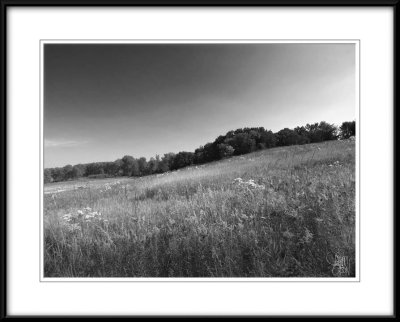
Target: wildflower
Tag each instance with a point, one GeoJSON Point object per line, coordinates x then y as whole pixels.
{"type": "Point", "coordinates": [337, 164]}
{"type": "Point", "coordinates": [82, 216]}
{"type": "Point", "coordinates": [106, 187]}
{"type": "Point", "coordinates": [74, 227]}
{"type": "Point", "coordinates": [67, 217]}
{"type": "Point", "coordinates": [250, 183]}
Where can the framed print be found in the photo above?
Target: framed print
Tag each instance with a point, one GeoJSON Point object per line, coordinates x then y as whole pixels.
{"type": "Point", "coordinates": [198, 160]}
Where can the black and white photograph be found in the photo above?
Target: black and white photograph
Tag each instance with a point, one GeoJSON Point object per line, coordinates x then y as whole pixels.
{"type": "Point", "coordinates": [207, 159]}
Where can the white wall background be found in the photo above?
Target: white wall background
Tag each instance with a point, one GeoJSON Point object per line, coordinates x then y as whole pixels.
{"type": "Point", "coordinates": [371, 295]}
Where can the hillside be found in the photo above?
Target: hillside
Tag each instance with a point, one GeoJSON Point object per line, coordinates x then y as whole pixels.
{"type": "Point", "coordinates": [279, 212]}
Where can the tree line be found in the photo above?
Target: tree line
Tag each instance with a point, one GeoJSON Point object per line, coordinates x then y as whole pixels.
{"type": "Point", "coordinates": [238, 142]}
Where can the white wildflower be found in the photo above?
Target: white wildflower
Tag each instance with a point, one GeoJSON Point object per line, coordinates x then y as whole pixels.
{"type": "Point", "coordinates": [249, 184]}
{"type": "Point", "coordinates": [74, 227]}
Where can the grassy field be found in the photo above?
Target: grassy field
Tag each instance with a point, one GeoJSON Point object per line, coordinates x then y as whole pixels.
{"type": "Point", "coordinates": [282, 212]}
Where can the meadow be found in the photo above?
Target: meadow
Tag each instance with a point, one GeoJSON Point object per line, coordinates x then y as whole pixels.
{"type": "Point", "coordinates": [281, 212]}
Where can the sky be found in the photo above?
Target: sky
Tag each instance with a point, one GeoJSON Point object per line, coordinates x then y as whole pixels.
{"type": "Point", "coordinates": [104, 101]}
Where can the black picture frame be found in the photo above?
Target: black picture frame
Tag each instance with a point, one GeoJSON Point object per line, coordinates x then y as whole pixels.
{"type": "Point", "coordinates": [7, 4]}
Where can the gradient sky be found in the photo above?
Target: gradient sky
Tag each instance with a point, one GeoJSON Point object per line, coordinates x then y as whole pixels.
{"type": "Point", "coordinates": [104, 101]}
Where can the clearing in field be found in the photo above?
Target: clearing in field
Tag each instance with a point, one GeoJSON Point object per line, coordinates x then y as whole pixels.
{"type": "Point", "coordinates": [281, 212]}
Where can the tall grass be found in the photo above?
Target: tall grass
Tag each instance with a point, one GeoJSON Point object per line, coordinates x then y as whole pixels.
{"type": "Point", "coordinates": [297, 220]}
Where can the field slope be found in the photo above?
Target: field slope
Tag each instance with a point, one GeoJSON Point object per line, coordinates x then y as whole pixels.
{"type": "Point", "coordinates": [282, 212]}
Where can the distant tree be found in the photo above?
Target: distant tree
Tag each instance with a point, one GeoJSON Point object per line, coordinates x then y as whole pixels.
{"type": "Point", "coordinates": [199, 156]}
{"type": "Point", "coordinates": [58, 174]}
{"type": "Point", "coordinates": [288, 137]}
{"type": "Point", "coordinates": [118, 167]}
{"type": "Point", "coordinates": [301, 130]}
{"type": "Point", "coordinates": [329, 131]}
{"type": "Point", "coordinates": [158, 161]}
{"type": "Point", "coordinates": [242, 143]}
{"type": "Point", "coordinates": [225, 150]}
{"type": "Point", "coordinates": [267, 139]}
{"type": "Point", "coordinates": [166, 162]}
{"type": "Point", "coordinates": [128, 163]}
{"type": "Point", "coordinates": [78, 171]}
{"type": "Point", "coordinates": [94, 168]}
{"type": "Point", "coordinates": [255, 134]}
{"type": "Point", "coordinates": [135, 170]}
{"type": "Point", "coordinates": [303, 133]}
{"type": "Point", "coordinates": [143, 170]}
{"type": "Point", "coordinates": [321, 131]}
{"type": "Point", "coordinates": [182, 159]}
{"type": "Point", "coordinates": [67, 172]}
{"type": "Point", "coordinates": [153, 166]}
{"type": "Point", "coordinates": [238, 131]}
{"type": "Point", "coordinates": [314, 134]}
{"type": "Point", "coordinates": [163, 166]}
{"type": "Point", "coordinates": [107, 168]}
{"type": "Point", "coordinates": [347, 129]}
{"type": "Point", "coordinates": [219, 139]}
{"type": "Point", "coordinates": [229, 134]}
{"type": "Point", "coordinates": [210, 152]}
{"type": "Point", "coordinates": [47, 176]}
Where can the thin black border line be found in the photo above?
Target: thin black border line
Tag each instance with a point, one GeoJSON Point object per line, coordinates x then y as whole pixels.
{"type": "Point", "coordinates": [202, 3]}
{"type": "Point", "coordinates": [358, 137]}
{"type": "Point", "coordinates": [3, 174]}
{"type": "Point", "coordinates": [282, 3]}
{"type": "Point", "coordinates": [182, 40]}
{"type": "Point", "coordinates": [41, 159]}
{"type": "Point", "coordinates": [395, 85]}
{"type": "Point", "coordinates": [43, 42]}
